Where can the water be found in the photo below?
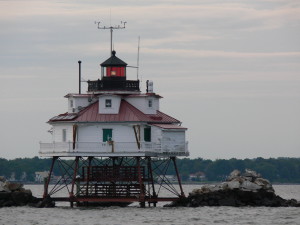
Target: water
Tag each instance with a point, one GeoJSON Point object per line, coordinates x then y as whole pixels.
{"type": "Point", "coordinates": [134, 215]}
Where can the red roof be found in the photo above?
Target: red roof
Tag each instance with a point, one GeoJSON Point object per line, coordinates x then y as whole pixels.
{"type": "Point", "coordinates": [127, 113]}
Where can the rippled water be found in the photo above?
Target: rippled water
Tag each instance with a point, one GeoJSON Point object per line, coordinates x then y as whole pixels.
{"type": "Point", "coordinates": [134, 215]}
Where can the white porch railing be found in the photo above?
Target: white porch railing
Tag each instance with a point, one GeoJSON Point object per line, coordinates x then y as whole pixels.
{"type": "Point", "coordinates": [113, 147]}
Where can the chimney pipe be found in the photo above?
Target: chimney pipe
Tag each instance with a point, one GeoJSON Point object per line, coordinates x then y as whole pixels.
{"type": "Point", "coordinates": [79, 63]}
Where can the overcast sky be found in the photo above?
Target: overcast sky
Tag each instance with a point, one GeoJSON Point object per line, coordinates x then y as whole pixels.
{"type": "Point", "coordinates": [229, 70]}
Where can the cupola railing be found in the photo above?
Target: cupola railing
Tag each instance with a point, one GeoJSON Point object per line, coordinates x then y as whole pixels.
{"type": "Point", "coordinates": [114, 85]}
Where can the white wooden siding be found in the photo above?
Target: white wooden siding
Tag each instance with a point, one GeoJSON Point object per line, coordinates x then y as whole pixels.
{"type": "Point", "coordinates": [156, 134]}
{"type": "Point", "coordinates": [173, 140]}
{"type": "Point", "coordinates": [77, 102]}
{"type": "Point", "coordinates": [94, 133]}
{"type": "Point", "coordinates": [115, 104]}
{"type": "Point", "coordinates": [58, 132]}
{"type": "Point", "coordinates": [141, 103]}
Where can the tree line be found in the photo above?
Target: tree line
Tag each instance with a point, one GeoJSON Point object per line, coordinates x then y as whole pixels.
{"type": "Point", "coordinates": [281, 170]}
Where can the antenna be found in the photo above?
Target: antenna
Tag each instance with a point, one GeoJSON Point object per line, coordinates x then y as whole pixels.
{"type": "Point", "coordinates": [79, 63]}
{"type": "Point", "coordinates": [111, 30]}
{"type": "Point", "coordinates": [138, 60]}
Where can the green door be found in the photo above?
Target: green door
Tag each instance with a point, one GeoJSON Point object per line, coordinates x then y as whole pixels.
{"type": "Point", "coordinates": [107, 135]}
{"type": "Point", "coordinates": [147, 134]}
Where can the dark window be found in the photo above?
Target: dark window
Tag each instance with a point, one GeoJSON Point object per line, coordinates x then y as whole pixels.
{"type": "Point", "coordinates": [147, 134]}
{"type": "Point", "coordinates": [150, 103]}
{"type": "Point", "coordinates": [64, 135]}
{"type": "Point", "coordinates": [107, 135]}
{"type": "Point", "coordinates": [108, 103]}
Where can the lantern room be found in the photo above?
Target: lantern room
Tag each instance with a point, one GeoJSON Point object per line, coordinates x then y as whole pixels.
{"type": "Point", "coordinates": [113, 67]}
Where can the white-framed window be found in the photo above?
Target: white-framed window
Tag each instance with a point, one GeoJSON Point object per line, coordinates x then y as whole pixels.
{"type": "Point", "coordinates": [150, 103]}
{"type": "Point", "coordinates": [107, 103]}
{"type": "Point", "coordinates": [64, 135]}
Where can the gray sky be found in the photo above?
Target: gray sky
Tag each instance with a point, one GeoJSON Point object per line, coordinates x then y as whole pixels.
{"type": "Point", "coordinates": [229, 70]}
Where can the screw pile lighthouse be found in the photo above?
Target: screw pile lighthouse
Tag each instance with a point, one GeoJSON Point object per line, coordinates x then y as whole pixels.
{"type": "Point", "coordinates": [122, 147]}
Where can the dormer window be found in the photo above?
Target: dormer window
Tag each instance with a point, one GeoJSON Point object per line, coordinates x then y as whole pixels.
{"type": "Point", "coordinates": [107, 103]}
{"type": "Point", "coordinates": [150, 103]}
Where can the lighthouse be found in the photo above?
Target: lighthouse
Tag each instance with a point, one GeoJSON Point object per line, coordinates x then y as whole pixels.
{"type": "Point", "coordinates": [114, 145]}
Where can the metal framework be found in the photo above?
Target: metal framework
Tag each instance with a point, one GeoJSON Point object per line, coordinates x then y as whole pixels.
{"type": "Point", "coordinates": [113, 181]}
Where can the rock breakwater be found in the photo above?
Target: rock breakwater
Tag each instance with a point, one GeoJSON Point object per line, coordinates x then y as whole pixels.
{"type": "Point", "coordinates": [13, 194]}
{"type": "Point", "coordinates": [247, 189]}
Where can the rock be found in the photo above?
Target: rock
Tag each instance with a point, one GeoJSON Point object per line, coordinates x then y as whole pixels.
{"type": "Point", "coordinates": [5, 196]}
{"type": "Point", "coordinates": [249, 186]}
{"type": "Point", "coordinates": [20, 198]}
{"type": "Point", "coordinates": [234, 174]}
{"type": "Point", "coordinates": [195, 192]}
{"type": "Point", "coordinates": [2, 179]}
{"type": "Point", "coordinates": [264, 183]}
{"type": "Point", "coordinates": [1, 203]}
{"type": "Point", "coordinates": [233, 185]}
{"type": "Point", "coordinates": [28, 191]}
{"type": "Point", "coordinates": [248, 189]}
{"type": "Point", "coordinates": [3, 187]}
{"type": "Point", "coordinates": [12, 186]}
{"type": "Point", "coordinates": [251, 173]}
{"type": "Point", "coordinates": [45, 203]}
{"type": "Point", "coordinates": [206, 188]}
{"type": "Point", "coordinates": [8, 203]}
{"type": "Point", "coordinates": [227, 202]}
{"type": "Point", "coordinates": [13, 194]}
{"type": "Point", "coordinates": [224, 185]}
{"type": "Point", "coordinates": [293, 202]}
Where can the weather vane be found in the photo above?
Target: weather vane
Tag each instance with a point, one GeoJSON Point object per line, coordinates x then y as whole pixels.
{"type": "Point", "coordinates": [122, 26]}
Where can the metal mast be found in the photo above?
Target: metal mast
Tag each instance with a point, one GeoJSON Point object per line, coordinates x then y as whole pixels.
{"type": "Point", "coordinates": [138, 60]}
{"type": "Point", "coordinates": [122, 26]}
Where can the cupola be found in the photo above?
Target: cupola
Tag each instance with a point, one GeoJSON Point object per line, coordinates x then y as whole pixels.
{"type": "Point", "coordinates": [113, 77]}
{"type": "Point", "coordinates": [113, 67]}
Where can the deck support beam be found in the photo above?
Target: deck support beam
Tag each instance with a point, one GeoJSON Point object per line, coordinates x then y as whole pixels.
{"type": "Point", "coordinates": [178, 177]}
{"type": "Point", "coordinates": [150, 172]}
{"type": "Point", "coordinates": [73, 181]}
{"type": "Point", "coordinates": [46, 184]}
{"type": "Point", "coordinates": [140, 180]}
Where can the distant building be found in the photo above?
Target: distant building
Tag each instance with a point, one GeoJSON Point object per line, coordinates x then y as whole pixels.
{"type": "Point", "coordinates": [171, 178]}
{"type": "Point", "coordinates": [198, 176]}
{"type": "Point", "coordinates": [24, 176]}
{"type": "Point", "coordinates": [12, 176]}
{"type": "Point", "coordinates": [40, 176]}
